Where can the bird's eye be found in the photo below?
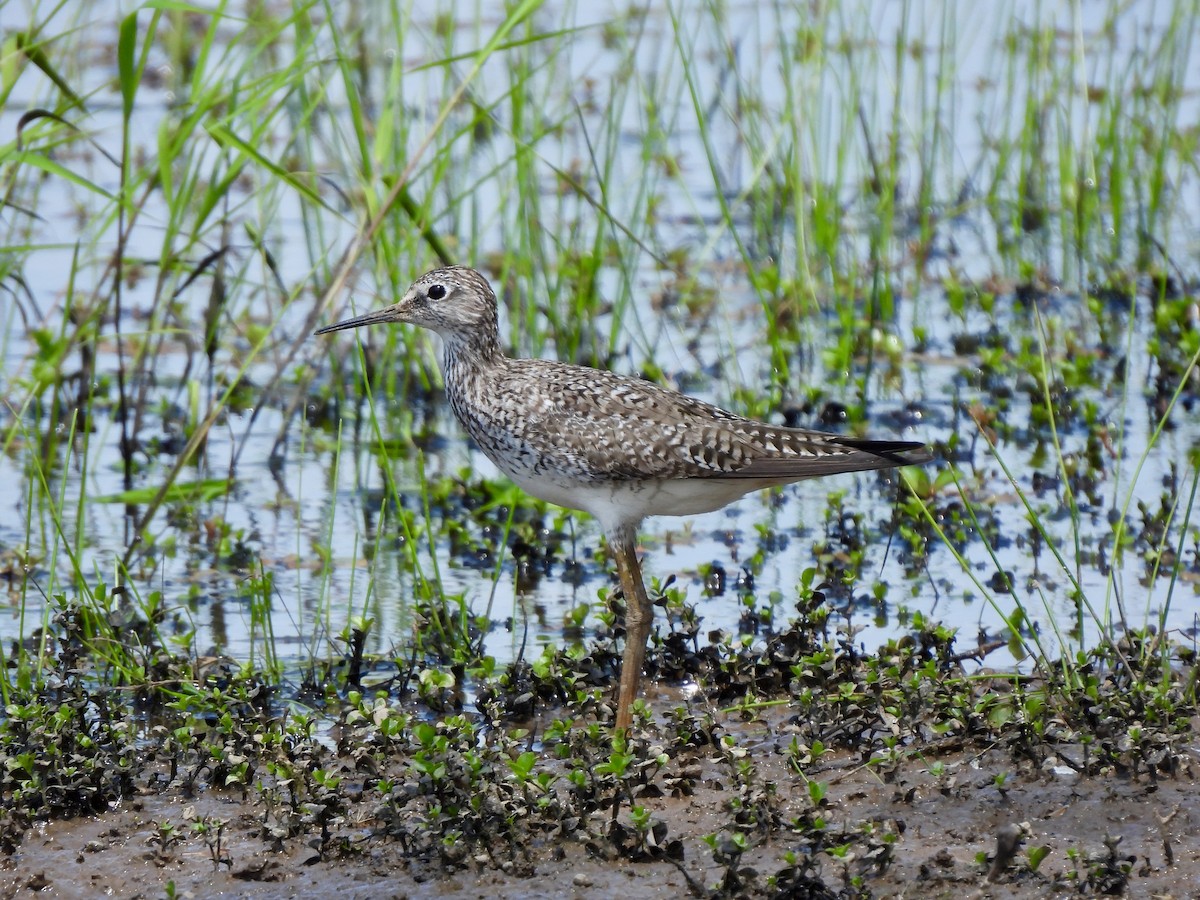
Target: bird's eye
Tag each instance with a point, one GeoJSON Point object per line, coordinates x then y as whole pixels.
{"type": "Point", "coordinates": [436, 291]}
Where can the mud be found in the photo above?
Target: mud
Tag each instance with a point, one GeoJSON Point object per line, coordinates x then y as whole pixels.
{"type": "Point", "coordinates": [938, 814]}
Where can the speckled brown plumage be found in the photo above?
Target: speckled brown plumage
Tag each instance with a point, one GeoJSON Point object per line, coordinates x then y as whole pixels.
{"type": "Point", "coordinates": [614, 446]}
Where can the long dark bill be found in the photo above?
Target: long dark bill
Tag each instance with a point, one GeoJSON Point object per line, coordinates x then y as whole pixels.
{"type": "Point", "coordinates": [372, 318]}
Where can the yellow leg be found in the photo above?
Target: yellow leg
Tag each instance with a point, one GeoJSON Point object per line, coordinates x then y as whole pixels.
{"type": "Point", "coordinates": [639, 617]}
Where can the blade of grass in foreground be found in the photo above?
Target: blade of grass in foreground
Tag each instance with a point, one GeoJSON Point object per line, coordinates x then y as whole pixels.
{"type": "Point", "coordinates": [201, 491]}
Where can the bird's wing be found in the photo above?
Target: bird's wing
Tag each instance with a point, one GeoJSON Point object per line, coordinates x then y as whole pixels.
{"type": "Point", "coordinates": [608, 426]}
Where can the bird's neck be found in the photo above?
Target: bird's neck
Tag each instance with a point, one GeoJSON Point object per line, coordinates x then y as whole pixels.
{"type": "Point", "coordinates": [466, 358]}
{"type": "Point", "coordinates": [472, 371]}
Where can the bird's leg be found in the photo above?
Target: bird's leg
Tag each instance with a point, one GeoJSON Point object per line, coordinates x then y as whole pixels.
{"type": "Point", "coordinates": [639, 617]}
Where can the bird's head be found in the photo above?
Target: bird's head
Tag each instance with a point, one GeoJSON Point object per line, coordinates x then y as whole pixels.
{"type": "Point", "coordinates": [456, 302]}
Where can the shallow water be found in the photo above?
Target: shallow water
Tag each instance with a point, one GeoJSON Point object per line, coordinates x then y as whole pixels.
{"type": "Point", "coordinates": [283, 513]}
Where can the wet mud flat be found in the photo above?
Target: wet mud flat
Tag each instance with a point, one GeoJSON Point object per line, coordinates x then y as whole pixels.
{"type": "Point", "coordinates": [710, 804]}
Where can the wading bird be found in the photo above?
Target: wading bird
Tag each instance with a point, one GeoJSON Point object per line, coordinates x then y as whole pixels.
{"type": "Point", "coordinates": [616, 447]}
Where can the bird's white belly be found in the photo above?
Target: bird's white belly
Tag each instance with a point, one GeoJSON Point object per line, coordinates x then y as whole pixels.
{"type": "Point", "coordinates": [615, 503]}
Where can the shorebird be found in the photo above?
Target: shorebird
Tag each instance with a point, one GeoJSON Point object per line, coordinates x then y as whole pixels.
{"type": "Point", "coordinates": [614, 446]}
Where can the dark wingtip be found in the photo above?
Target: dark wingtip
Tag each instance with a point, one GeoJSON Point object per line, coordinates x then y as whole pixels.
{"type": "Point", "coordinates": [900, 453]}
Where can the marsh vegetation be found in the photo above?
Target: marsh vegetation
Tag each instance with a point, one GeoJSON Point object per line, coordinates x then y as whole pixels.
{"type": "Point", "coordinates": [268, 608]}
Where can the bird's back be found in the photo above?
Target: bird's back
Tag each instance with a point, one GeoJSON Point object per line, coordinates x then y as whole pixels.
{"type": "Point", "coordinates": [540, 417]}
